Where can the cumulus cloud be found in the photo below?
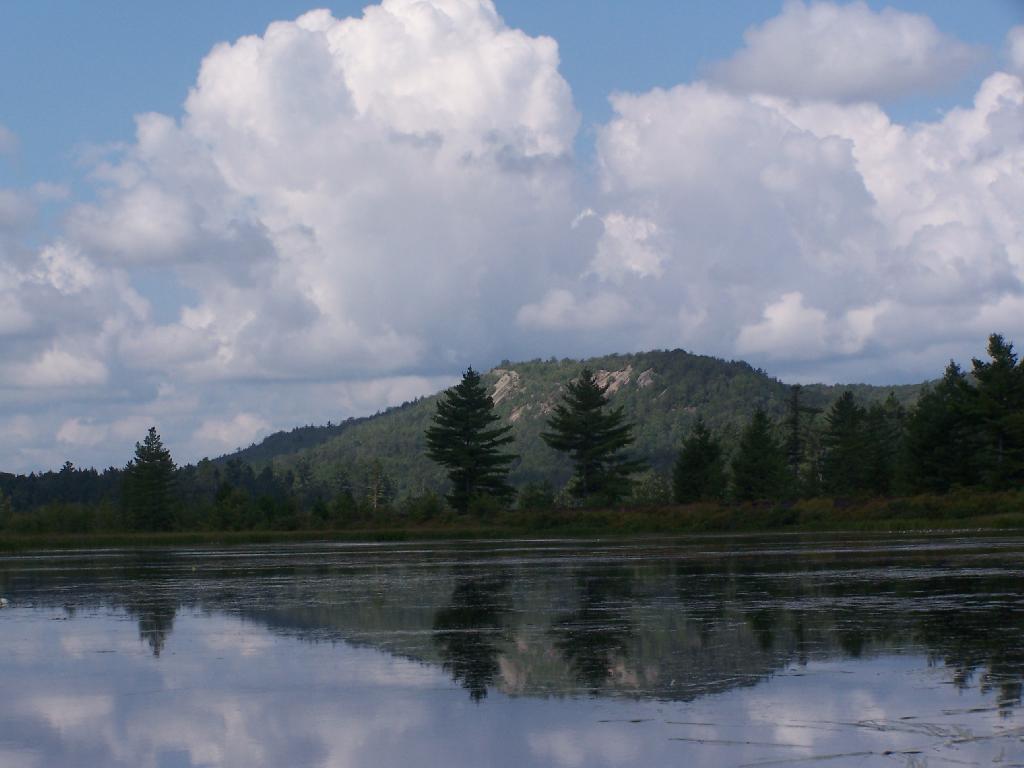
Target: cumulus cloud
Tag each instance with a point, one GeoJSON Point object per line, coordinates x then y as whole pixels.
{"type": "Point", "coordinates": [845, 52]}
{"type": "Point", "coordinates": [807, 231]}
{"type": "Point", "coordinates": [337, 186]}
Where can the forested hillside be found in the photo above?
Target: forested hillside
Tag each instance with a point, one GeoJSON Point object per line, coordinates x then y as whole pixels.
{"type": "Point", "coordinates": [662, 392]}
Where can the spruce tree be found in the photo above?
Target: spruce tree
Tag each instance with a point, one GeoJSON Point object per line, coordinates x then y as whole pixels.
{"type": "Point", "coordinates": [464, 440]}
{"type": "Point", "coordinates": [699, 471]}
{"type": "Point", "coordinates": [759, 469]}
{"type": "Point", "coordinates": [149, 485]}
{"type": "Point", "coordinates": [595, 440]}
{"type": "Point", "coordinates": [999, 413]}
{"type": "Point", "coordinates": [941, 445]}
{"type": "Point", "coordinates": [845, 450]}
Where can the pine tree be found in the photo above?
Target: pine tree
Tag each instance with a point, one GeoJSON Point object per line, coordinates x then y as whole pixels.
{"type": "Point", "coordinates": [699, 471]}
{"type": "Point", "coordinates": [999, 411]}
{"type": "Point", "coordinates": [595, 440]}
{"type": "Point", "coordinates": [845, 451]}
{"type": "Point", "coordinates": [464, 440]}
{"type": "Point", "coordinates": [149, 485]}
{"type": "Point", "coordinates": [880, 440]}
{"type": "Point", "coordinates": [941, 445]}
{"type": "Point", "coordinates": [759, 469]}
{"type": "Point", "coordinates": [802, 462]}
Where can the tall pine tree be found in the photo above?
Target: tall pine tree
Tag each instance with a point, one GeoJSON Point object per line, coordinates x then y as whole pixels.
{"type": "Point", "coordinates": [699, 471]}
{"type": "Point", "coordinates": [941, 445]}
{"type": "Point", "coordinates": [845, 451]}
{"type": "Point", "coordinates": [999, 412]}
{"type": "Point", "coordinates": [149, 485]}
{"type": "Point", "coordinates": [759, 469]}
{"type": "Point", "coordinates": [595, 440]}
{"type": "Point", "coordinates": [464, 440]}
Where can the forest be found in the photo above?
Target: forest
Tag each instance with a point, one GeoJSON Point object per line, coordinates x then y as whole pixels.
{"type": "Point", "coordinates": [961, 438]}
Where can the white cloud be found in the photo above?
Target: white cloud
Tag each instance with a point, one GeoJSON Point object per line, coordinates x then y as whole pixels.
{"type": "Point", "coordinates": [788, 330]}
{"type": "Point", "coordinates": [55, 367]}
{"type": "Point", "coordinates": [79, 433]}
{"type": "Point", "coordinates": [226, 435]}
{"type": "Point", "coordinates": [885, 236]}
{"type": "Point", "coordinates": [846, 52]}
{"type": "Point", "coordinates": [1015, 49]}
{"type": "Point", "coordinates": [560, 310]}
{"type": "Point", "coordinates": [16, 209]}
{"type": "Point", "coordinates": [336, 187]}
{"type": "Point", "coordinates": [627, 248]}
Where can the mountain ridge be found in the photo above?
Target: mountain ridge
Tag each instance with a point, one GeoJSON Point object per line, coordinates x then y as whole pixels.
{"type": "Point", "coordinates": [661, 391]}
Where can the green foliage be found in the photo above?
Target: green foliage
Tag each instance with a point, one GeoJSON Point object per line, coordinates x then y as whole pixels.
{"type": "Point", "coordinates": [463, 439]}
{"type": "Point", "coordinates": [999, 412]}
{"type": "Point", "coordinates": [595, 440]}
{"type": "Point", "coordinates": [759, 467]}
{"type": "Point", "coordinates": [699, 471]}
{"type": "Point", "coordinates": [149, 485]}
{"type": "Point", "coordinates": [843, 464]}
{"type": "Point", "coordinates": [651, 488]}
{"type": "Point", "coordinates": [941, 444]}
{"type": "Point", "coordinates": [536, 496]}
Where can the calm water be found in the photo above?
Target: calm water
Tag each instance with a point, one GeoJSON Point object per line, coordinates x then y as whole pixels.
{"type": "Point", "coordinates": [717, 652]}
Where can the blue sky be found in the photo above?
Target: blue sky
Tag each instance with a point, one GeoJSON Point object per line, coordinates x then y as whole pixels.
{"type": "Point", "coordinates": [226, 235]}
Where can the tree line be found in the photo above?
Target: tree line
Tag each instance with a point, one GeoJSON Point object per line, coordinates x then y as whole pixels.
{"type": "Point", "coordinates": [965, 431]}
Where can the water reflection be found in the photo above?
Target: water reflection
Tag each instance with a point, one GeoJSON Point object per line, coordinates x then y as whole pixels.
{"type": "Point", "coordinates": [467, 632]}
{"type": "Point", "coordinates": [680, 625]}
{"type": "Point", "coordinates": [594, 639]}
{"type": "Point", "coordinates": [156, 619]}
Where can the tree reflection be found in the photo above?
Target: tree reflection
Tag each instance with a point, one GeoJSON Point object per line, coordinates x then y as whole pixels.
{"type": "Point", "coordinates": [467, 631]}
{"type": "Point", "coordinates": [598, 632]}
{"type": "Point", "coordinates": [155, 615]}
{"type": "Point", "coordinates": [980, 644]}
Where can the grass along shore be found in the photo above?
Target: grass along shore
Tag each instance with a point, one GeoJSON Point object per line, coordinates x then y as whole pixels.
{"type": "Point", "coordinates": [965, 510]}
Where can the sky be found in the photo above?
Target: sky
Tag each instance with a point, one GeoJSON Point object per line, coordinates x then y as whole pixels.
{"type": "Point", "coordinates": [229, 218]}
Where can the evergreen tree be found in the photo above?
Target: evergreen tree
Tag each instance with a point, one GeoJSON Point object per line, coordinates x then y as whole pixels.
{"type": "Point", "coordinates": [463, 439]}
{"type": "Point", "coordinates": [595, 440]}
{"type": "Point", "coordinates": [802, 461]}
{"type": "Point", "coordinates": [699, 471]}
{"type": "Point", "coordinates": [882, 436]}
{"type": "Point", "coordinates": [759, 469]}
{"type": "Point", "coordinates": [941, 445]}
{"type": "Point", "coordinates": [845, 451]}
{"type": "Point", "coordinates": [999, 410]}
{"type": "Point", "coordinates": [149, 485]}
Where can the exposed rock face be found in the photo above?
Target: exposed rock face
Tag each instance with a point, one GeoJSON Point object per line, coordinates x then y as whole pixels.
{"type": "Point", "coordinates": [645, 379]}
{"type": "Point", "coordinates": [507, 383]}
{"type": "Point", "coordinates": [517, 414]}
{"type": "Point", "coordinates": [615, 380]}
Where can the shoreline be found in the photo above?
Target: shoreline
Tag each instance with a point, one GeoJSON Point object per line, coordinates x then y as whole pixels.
{"type": "Point", "coordinates": [959, 512]}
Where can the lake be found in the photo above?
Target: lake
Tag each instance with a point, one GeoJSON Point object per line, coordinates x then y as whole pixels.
{"type": "Point", "coordinates": [718, 651]}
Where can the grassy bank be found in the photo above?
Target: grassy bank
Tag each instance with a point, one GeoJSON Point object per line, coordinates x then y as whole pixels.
{"type": "Point", "coordinates": [964, 510]}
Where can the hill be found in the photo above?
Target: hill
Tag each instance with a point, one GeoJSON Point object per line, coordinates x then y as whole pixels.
{"type": "Point", "coordinates": [662, 392]}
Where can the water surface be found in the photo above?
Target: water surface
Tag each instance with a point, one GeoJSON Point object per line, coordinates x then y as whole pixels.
{"type": "Point", "coordinates": [729, 651]}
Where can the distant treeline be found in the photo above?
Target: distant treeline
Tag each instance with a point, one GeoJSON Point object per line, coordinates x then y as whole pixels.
{"type": "Point", "coordinates": [965, 432]}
